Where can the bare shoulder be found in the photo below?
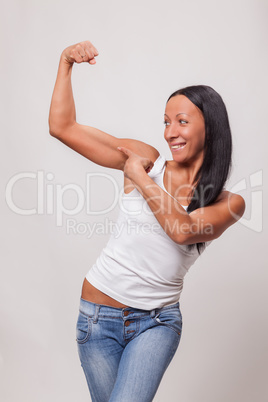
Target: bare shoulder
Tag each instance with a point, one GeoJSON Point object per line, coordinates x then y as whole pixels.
{"type": "Point", "coordinates": [141, 148]}
{"type": "Point", "coordinates": [235, 202]}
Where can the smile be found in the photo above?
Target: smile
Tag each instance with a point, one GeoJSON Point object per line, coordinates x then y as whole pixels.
{"type": "Point", "coordinates": [177, 147]}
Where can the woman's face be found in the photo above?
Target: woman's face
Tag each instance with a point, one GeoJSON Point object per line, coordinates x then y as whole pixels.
{"type": "Point", "coordinates": [185, 125]}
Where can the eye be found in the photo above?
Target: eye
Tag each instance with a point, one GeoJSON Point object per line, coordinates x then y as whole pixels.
{"type": "Point", "coordinates": [166, 123]}
{"type": "Point", "coordinates": [183, 121]}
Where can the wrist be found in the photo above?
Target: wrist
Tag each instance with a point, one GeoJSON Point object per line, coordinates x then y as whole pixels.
{"type": "Point", "coordinates": [139, 178]}
{"type": "Point", "coordinates": [65, 61]}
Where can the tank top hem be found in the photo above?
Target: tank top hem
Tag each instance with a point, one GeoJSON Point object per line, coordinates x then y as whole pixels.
{"type": "Point", "coordinates": [122, 299]}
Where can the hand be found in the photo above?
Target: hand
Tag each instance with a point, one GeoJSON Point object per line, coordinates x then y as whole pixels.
{"type": "Point", "coordinates": [135, 164]}
{"type": "Point", "coordinates": [82, 52]}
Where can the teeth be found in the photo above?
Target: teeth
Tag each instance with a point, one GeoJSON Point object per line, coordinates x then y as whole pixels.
{"type": "Point", "coordinates": [178, 146]}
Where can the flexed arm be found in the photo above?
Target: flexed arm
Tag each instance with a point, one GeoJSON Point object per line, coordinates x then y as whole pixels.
{"type": "Point", "coordinates": [201, 225]}
{"type": "Point", "coordinates": [62, 109]}
{"type": "Point", "coordinates": [92, 143]}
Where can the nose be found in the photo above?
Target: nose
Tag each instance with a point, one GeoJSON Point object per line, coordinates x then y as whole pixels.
{"type": "Point", "coordinates": [172, 132]}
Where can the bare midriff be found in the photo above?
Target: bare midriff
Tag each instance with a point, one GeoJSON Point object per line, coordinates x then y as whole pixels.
{"type": "Point", "coordinates": [94, 295]}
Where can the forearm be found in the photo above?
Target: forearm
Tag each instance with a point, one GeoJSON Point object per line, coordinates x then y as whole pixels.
{"type": "Point", "coordinates": [170, 214]}
{"type": "Point", "coordinates": [62, 108]}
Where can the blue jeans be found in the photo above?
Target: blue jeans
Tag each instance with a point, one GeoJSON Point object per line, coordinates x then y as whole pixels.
{"type": "Point", "coordinates": [125, 352]}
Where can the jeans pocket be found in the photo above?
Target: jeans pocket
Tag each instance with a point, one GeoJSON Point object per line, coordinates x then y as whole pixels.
{"type": "Point", "coordinates": [83, 328]}
{"type": "Point", "coordinates": [170, 318]}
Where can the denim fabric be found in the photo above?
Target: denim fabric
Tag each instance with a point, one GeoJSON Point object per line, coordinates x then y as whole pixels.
{"type": "Point", "coordinates": [124, 352]}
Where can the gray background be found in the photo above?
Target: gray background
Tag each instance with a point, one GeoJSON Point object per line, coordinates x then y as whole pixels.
{"type": "Point", "coordinates": [147, 50]}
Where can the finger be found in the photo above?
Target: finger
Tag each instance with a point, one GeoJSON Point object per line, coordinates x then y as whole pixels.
{"type": "Point", "coordinates": [90, 55]}
{"type": "Point", "coordinates": [89, 52]}
{"type": "Point", "coordinates": [96, 53]}
{"type": "Point", "coordinates": [125, 150]}
{"type": "Point", "coordinates": [77, 53]}
{"type": "Point", "coordinates": [92, 48]}
{"type": "Point", "coordinates": [77, 57]}
{"type": "Point", "coordinates": [81, 51]}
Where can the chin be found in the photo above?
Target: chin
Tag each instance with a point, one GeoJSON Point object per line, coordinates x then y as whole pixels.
{"type": "Point", "coordinates": [178, 158]}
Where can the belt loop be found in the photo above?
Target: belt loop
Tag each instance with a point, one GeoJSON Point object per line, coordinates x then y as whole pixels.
{"type": "Point", "coordinates": [97, 309]}
{"type": "Point", "coordinates": [152, 313]}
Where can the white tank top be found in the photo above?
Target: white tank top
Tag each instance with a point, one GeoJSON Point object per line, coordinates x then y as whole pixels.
{"type": "Point", "coordinates": [141, 266]}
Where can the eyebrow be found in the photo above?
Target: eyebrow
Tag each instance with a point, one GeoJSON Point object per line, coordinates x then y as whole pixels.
{"type": "Point", "coordinates": [178, 114]}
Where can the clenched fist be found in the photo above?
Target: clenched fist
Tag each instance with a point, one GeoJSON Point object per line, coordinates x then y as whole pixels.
{"type": "Point", "coordinates": [82, 52]}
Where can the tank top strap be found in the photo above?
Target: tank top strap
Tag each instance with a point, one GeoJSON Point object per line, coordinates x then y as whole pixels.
{"type": "Point", "coordinates": [157, 174]}
{"type": "Point", "coordinates": [158, 167]}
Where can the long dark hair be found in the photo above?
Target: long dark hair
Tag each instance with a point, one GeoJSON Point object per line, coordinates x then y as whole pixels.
{"type": "Point", "coordinates": [217, 162]}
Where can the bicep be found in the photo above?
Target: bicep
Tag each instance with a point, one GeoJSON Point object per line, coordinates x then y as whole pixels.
{"type": "Point", "coordinates": [101, 148]}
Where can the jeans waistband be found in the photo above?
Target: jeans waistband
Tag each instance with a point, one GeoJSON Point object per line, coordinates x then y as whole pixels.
{"type": "Point", "coordinates": [95, 310]}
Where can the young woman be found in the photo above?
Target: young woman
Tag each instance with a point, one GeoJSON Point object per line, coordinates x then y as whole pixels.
{"type": "Point", "coordinates": [129, 322]}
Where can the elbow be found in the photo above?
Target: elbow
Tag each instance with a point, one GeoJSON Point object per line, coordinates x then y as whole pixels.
{"type": "Point", "coordinates": [51, 128]}
{"type": "Point", "coordinates": [180, 239]}
{"type": "Point", "coordinates": [185, 238]}
{"type": "Point", "coordinates": [55, 131]}
{"type": "Point", "coordinates": [241, 206]}
{"type": "Point", "coordinates": [182, 234]}
{"type": "Point", "coordinates": [237, 206]}
{"type": "Point", "coordinates": [52, 132]}
{"type": "Point", "coordinates": [60, 131]}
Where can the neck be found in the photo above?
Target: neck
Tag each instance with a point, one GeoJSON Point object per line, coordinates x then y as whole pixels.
{"type": "Point", "coordinates": [189, 168]}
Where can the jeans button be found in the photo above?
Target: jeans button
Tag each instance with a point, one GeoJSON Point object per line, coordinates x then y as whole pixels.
{"type": "Point", "coordinates": [126, 313]}
{"type": "Point", "coordinates": [127, 323]}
